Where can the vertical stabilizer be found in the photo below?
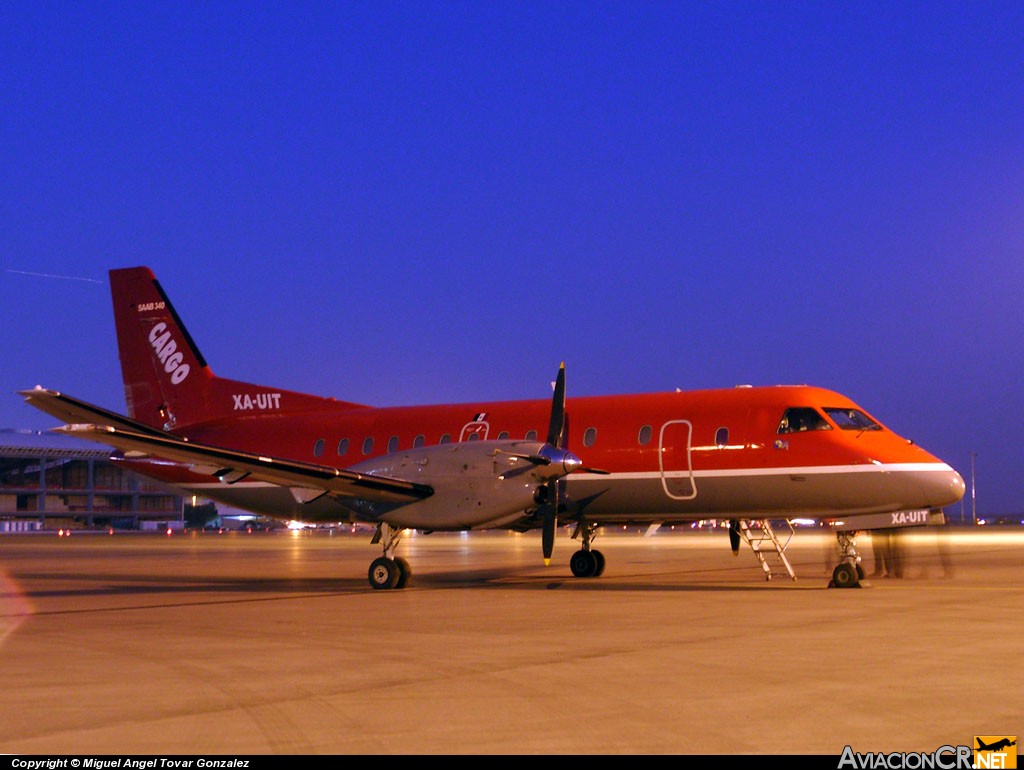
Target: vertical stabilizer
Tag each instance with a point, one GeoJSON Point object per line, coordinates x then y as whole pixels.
{"type": "Point", "coordinates": [166, 379]}
{"type": "Point", "coordinates": [167, 383]}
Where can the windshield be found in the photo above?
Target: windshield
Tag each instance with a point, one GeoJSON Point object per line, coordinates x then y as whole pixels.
{"type": "Point", "coordinates": [851, 419]}
{"type": "Point", "coordinates": [801, 418]}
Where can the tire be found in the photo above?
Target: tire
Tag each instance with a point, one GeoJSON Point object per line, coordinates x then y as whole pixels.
{"type": "Point", "coordinates": [845, 576]}
{"type": "Point", "coordinates": [384, 573]}
{"type": "Point", "coordinates": [404, 572]}
{"type": "Point", "coordinates": [583, 564]}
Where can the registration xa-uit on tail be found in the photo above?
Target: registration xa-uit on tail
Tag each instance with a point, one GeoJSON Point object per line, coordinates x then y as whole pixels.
{"type": "Point", "coordinates": [748, 455]}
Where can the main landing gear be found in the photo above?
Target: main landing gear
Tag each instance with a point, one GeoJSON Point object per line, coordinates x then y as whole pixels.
{"type": "Point", "coordinates": [586, 562]}
{"type": "Point", "coordinates": [389, 571]}
{"type": "Point", "coordinates": [849, 572]}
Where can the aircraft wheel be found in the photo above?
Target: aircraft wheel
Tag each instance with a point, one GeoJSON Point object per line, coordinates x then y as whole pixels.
{"type": "Point", "coordinates": [384, 573]}
{"type": "Point", "coordinates": [583, 564]}
{"type": "Point", "coordinates": [404, 572]}
{"type": "Point", "coordinates": [845, 576]}
{"type": "Point", "coordinates": [600, 563]}
{"type": "Point", "coordinates": [860, 572]}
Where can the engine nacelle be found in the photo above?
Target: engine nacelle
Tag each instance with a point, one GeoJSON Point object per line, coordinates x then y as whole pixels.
{"type": "Point", "coordinates": [477, 484]}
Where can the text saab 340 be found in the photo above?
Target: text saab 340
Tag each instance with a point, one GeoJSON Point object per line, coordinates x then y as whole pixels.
{"type": "Point", "coordinates": [746, 455]}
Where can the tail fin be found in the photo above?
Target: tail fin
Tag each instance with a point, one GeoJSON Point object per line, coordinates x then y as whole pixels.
{"type": "Point", "coordinates": [167, 382]}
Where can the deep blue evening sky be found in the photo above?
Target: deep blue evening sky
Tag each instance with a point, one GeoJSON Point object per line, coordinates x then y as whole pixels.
{"type": "Point", "coordinates": [423, 202]}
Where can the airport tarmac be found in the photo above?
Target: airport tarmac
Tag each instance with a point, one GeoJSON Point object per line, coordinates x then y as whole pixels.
{"type": "Point", "coordinates": [274, 643]}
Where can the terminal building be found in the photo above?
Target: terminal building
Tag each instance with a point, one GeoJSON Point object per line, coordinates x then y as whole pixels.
{"type": "Point", "coordinates": [51, 482]}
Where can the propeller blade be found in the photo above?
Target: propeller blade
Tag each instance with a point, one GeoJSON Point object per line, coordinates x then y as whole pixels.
{"type": "Point", "coordinates": [734, 536]}
{"type": "Point", "coordinates": [557, 441]}
{"type": "Point", "coordinates": [548, 533]}
{"type": "Point", "coordinates": [535, 459]}
{"type": "Point", "coordinates": [556, 428]}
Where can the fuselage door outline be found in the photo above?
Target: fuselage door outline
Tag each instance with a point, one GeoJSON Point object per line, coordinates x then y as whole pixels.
{"type": "Point", "coordinates": [674, 464]}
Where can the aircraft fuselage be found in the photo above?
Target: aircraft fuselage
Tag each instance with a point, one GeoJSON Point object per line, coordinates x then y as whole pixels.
{"type": "Point", "coordinates": [672, 456]}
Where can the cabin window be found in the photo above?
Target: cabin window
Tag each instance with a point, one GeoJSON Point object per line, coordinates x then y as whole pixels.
{"type": "Point", "coordinates": [589, 437]}
{"type": "Point", "coordinates": [798, 419]}
{"type": "Point", "coordinates": [392, 444]}
{"type": "Point", "coordinates": [473, 437]}
{"type": "Point", "coordinates": [722, 437]}
{"type": "Point", "coordinates": [851, 419]}
{"type": "Point", "coordinates": [531, 435]}
{"type": "Point", "coordinates": [419, 441]}
{"type": "Point", "coordinates": [318, 448]}
{"type": "Point", "coordinates": [503, 436]}
{"type": "Point", "coordinates": [343, 447]}
{"type": "Point", "coordinates": [367, 445]}
{"type": "Point", "coordinates": [445, 438]}
{"type": "Point", "coordinates": [644, 438]}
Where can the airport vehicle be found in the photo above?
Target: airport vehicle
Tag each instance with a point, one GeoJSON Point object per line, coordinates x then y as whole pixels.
{"type": "Point", "coordinates": [746, 455]}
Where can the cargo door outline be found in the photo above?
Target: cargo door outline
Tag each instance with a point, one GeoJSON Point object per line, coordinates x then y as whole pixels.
{"type": "Point", "coordinates": [475, 430]}
{"type": "Point", "coordinates": [675, 466]}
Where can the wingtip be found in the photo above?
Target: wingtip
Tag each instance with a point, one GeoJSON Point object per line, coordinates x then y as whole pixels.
{"type": "Point", "coordinates": [38, 389]}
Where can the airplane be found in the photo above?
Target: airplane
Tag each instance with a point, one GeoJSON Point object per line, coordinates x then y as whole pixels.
{"type": "Point", "coordinates": [998, 745]}
{"type": "Point", "coordinates": [743, 454]}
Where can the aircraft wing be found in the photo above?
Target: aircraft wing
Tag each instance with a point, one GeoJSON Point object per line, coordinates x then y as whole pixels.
{"type": "Point", "coordinates": [71, 410]}
{"type": "Point", "coordinates": [306, 480]}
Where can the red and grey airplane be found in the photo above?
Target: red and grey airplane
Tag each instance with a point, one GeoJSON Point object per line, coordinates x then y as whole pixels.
{"type": "Point", "coordinates": [745, 454]}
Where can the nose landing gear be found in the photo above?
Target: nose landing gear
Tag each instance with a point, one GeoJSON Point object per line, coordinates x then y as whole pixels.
{"type": "Point", "coordinates": [848, 573]}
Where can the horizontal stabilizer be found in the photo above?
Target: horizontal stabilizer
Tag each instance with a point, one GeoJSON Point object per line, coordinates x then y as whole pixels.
{"type": "Point", "coordinates": [71, 410]}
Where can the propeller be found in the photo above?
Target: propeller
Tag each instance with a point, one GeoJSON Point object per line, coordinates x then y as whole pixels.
{"type": "Point", "coordinates": [556, 439]}
{"type": "Point", "coordinates": [734, 536]}
{"type": "Point", "coordinates": [558, 462]}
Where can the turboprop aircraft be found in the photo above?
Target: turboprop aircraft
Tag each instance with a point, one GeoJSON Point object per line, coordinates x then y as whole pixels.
{"type": "Point", "coordinates": [746, 455]}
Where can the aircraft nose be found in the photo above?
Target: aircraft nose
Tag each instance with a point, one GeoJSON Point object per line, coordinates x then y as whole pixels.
{"type": "Point", "coordinates": [946, 487]}
{"type": "Point", "coordinates": [959, 485]}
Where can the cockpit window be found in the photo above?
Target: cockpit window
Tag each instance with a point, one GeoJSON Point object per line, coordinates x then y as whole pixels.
{"type": "Point", "coordinates": [851, 419]}
{"type": "Point", "coordinates": [802, 418]}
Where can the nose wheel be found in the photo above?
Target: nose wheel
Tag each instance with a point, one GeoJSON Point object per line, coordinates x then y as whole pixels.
{"type": "Point", "coordinates": [846, 575]}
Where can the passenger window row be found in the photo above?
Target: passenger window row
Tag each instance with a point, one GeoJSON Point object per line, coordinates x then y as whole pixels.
{"type": "Point", "coordinates": [643, 438]}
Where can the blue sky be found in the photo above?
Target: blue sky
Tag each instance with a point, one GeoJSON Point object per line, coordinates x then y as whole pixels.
{"type": "Point", "coordinates": [425, 202]}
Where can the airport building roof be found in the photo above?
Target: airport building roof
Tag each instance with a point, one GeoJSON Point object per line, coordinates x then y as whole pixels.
{"type": "Point", "coordinates": [31, 443]}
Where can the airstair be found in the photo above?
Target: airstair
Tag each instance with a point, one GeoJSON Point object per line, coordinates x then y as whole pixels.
{"type": "Point", "coordinates": [768, 546]}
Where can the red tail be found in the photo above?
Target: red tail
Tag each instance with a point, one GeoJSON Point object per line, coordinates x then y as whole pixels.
{"type": "Point", "coordinates": [167, 382]}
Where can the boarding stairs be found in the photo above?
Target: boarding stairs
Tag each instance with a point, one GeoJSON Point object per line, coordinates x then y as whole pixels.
{"type": "Point", "coordinates": [768, 546]}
